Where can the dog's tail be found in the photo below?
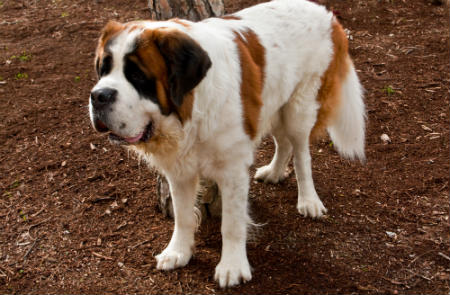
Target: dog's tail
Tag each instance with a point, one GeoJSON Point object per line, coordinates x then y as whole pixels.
{"type": "Point", "coordinates": [342, 110]}
{"type": "Point", "coordinates": [347, 128]}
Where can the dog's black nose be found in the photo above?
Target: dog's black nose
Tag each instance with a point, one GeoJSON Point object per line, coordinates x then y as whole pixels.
{"type": "Point", "coordinates": [103, 97]}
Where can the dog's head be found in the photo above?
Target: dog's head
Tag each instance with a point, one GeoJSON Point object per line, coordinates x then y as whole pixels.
{"type": "Point", "coordinates": [146, 75]}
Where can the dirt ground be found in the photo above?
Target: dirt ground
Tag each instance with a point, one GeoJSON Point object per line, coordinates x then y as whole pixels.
{"type": "Point", "coordinates": [78, 215]}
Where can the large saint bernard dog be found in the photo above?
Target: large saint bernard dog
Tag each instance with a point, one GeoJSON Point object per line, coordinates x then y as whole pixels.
{"type": "Point", "coordinates": [195, 98]}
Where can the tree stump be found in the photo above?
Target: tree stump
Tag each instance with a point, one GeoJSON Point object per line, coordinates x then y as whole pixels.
{"type": "Point", "coordinates": [209, 203]}
{"type": "Point", "coordinates": [190, 9]}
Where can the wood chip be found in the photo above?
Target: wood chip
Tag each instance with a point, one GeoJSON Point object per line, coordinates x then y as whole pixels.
{"type": "Point", "coordinates": [426, 128]}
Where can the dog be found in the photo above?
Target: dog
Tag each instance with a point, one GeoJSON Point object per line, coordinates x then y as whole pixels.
{"type": "Point", "coordinates": [195, 99]}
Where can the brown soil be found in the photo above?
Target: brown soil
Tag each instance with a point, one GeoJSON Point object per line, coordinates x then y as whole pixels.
{"type": "Point", "coordinates": [78, 215]}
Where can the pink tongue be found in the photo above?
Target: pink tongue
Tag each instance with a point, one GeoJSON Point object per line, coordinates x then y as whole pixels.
{"type": "Point", "coordinates": [134, 139]}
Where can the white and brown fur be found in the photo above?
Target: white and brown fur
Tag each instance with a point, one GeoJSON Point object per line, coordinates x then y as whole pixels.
{"type": "Point", "coordinates": [216, 87]}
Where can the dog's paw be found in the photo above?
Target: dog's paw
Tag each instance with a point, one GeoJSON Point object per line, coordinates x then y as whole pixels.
{"type": "Point", "coordinates": [311, 207]}
{"type": "Point", "coordinates": [170, 259]}
{"type": "Point", "coordinates": [268, 174]}
{"type": "Point", "coordinates": [232, 274]}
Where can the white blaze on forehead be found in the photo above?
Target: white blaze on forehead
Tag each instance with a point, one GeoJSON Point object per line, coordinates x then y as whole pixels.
{"type": "Point", "coordinates": [166, 24]}
{"type": "Point", "coordinates": [122, 45]}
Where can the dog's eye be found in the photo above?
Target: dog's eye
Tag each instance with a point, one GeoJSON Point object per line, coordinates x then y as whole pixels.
{"type": "Point", "coordinates": [141, 82]}
{"type": "Point", "coordinates": [106, 66]}
{"type": "Point", "coordinates": [134, 74]}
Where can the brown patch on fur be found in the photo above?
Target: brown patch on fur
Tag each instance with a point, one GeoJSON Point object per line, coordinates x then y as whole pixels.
{"type": "Point", "coordinates": [162, 97]}
{"type": "Point", "coordinates": [111, 29]}
{"type": "Point", "coordinates": [185, 110]}
{"type": "Point", "coordinates": [164, 142]}
{"type": "Point", "coordinates": [180, 22]}
{"type": "Point", "coordinates": [252, 59]}
{"type": "Point", "coordinates": [230, 17]}
{"type": "Point", "coordinates": [149, 59]}
{"type": "Point", "coordinates": [153, 64]}
{"type": "Point", "coordinates": [329, 96]}
{"type": "Point", "coordinates": [134, 27]}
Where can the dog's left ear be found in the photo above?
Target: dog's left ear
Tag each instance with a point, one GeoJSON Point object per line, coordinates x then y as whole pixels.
{"type": "Point", "coordinates": [187, 63]}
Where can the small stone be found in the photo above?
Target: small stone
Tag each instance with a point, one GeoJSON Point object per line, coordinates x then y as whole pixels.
{"type": "Point", "coordinates": [64, 163]}
{"type": "Point", "coordinates": [385, 138]}
{"type": "Point", "coordinates": [120, 264]}
{"type": "Point", "coordinates": [92, 146]}
{"type": "Point", "coordinates": [356, 192]}
{"type": "Point", "coordinates": [114, 205]}
{"type": "Point", "coordinates": [391, 235]}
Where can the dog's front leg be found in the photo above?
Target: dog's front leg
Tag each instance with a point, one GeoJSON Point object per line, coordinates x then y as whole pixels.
{"type": "Point", "coordinates": [180, 248]}
{"type": "Point", "coordinates": [233, 266]}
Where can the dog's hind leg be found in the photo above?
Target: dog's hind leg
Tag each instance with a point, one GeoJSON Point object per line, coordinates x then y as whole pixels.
{"type": "Point", "coordinates": [276, 170]}
{"type": "Point", "coordinates": [299, 116]}
{"type": "Point", "coordinates": [180, 248]}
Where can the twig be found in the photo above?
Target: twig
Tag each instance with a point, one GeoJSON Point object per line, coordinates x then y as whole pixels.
{"type": "Point", "coordinates": [418, 256]}
{"type": "Point", "coordinates": [97, 200]}
{"type": "Point", "coordinates": [39, 223]}
{"type": "Point", "coordinates": [101, 256]}
{"type": "Point", "coordinates": [419, 275]}
{"type": "Point", "coordinates": [395, 282]}
{"type": "Point", "coordinates": [39, 212]}
{"type": "Point", "coordinates": [141, 243]}
{"type": "Point", "coordinates": [35, 225]}
{"type": "Point", "coordinates": [8, 270]}
{"type": "Point", "coordinates": [31, 248]}
{"type": "Point", "coordinates": [443, 255]}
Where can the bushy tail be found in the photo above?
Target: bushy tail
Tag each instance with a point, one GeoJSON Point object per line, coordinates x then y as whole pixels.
{"type": "Point", "coordinates": [347, 129]}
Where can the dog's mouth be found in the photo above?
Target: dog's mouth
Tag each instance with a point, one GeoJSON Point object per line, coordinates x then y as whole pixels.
{"type": "Point", "coordinates": [144, 136]}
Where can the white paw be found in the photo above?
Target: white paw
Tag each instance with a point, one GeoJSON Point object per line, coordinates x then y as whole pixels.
{"type": "Point", "coordinates": [232, 274]}
{"type": "Point", "coordinates": [268, 175]}
{"type": "Point", "coordinates": [170, 259]}
{"type": "Point", "coordinates": [312, 207]}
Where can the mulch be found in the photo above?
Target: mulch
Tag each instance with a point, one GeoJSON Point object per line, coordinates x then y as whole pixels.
{"type": "Point", "coordinates": [78, 215]}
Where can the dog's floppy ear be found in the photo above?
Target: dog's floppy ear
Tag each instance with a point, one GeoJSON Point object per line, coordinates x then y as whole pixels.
{"type": "Point", "coordinates": [187, 63]}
